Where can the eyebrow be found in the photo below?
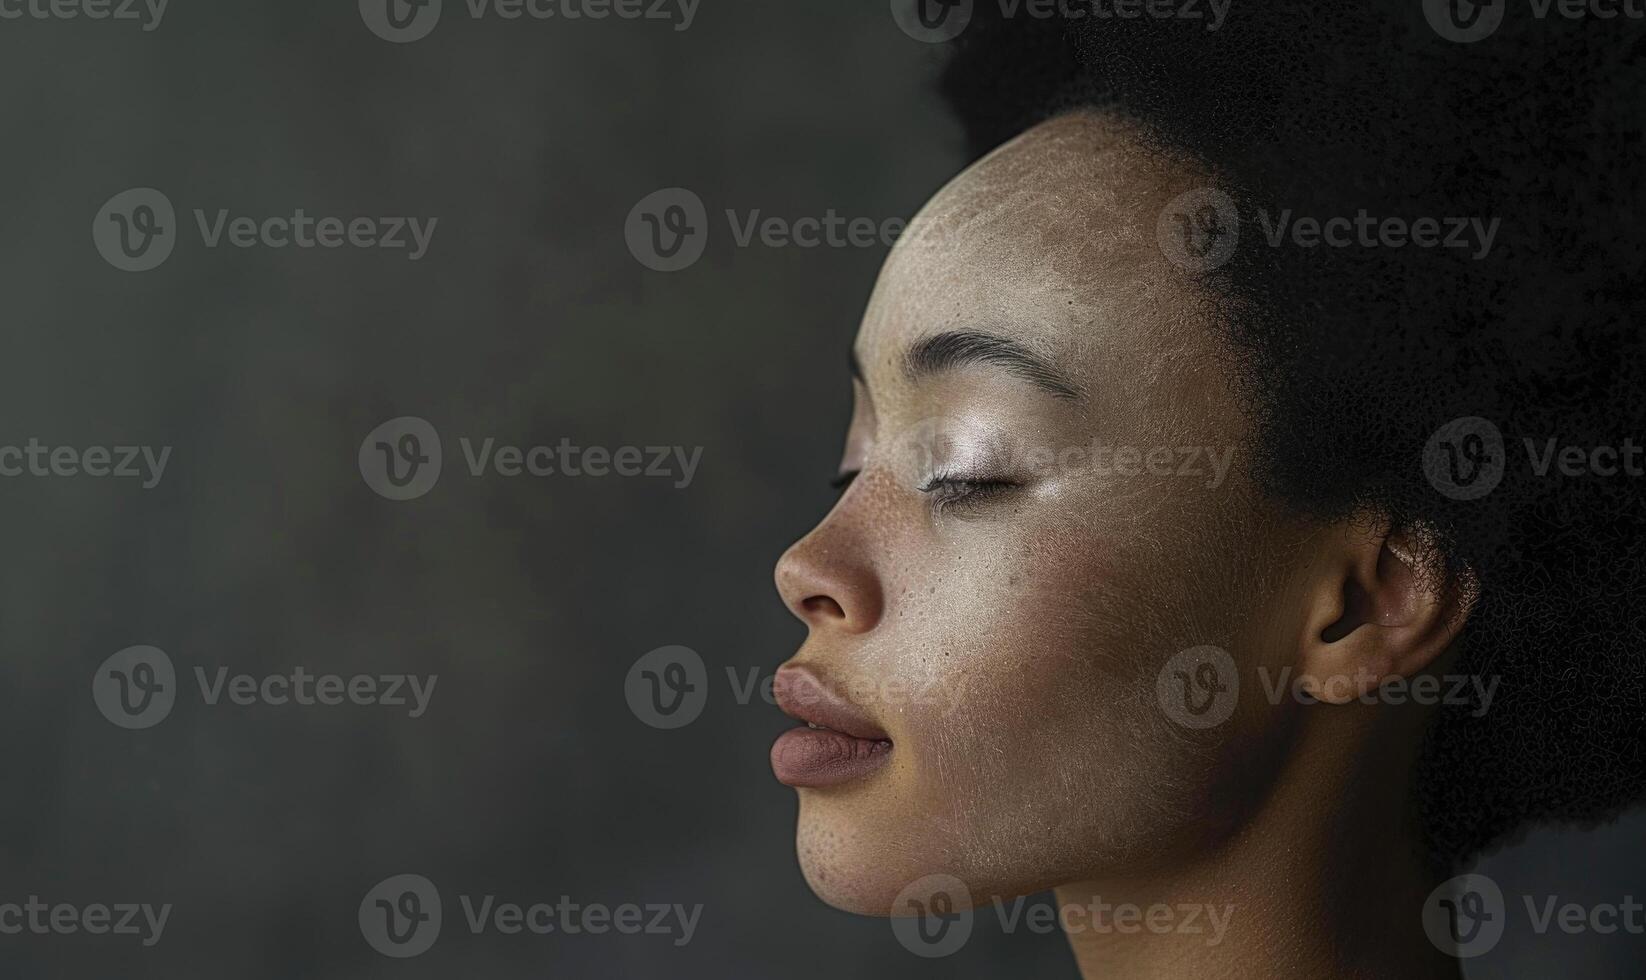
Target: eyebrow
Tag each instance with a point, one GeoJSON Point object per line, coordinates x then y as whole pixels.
{"type": "Point", "coordinates": [959, 348]}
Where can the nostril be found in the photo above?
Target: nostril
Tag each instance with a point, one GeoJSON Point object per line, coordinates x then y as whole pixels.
{"type": "Point", "coordinates": [829, 585]}
{"type": "Point", "coordinates": [822, 606]}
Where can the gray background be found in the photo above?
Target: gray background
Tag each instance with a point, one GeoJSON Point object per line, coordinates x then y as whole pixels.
{"type": "Point", "coordinates": [263, 549]}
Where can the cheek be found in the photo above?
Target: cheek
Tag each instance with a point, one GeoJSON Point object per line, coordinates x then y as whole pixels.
{"type": "Point", "coordinates": [1058, 773]}
{"type": "Point", "coordinates": [1049, 717]}
{"type": "Point", "coordinates": [1040, 750]}
{"type": "Point", "coordinates": [1017, 671]}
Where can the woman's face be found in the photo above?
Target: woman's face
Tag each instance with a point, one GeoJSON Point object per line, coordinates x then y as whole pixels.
{"type": "Point", "coordinates": [1051, 500]}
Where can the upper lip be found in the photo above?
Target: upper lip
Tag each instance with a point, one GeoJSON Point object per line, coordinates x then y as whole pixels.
{"type": "Point", "coordinates": [804, 696]}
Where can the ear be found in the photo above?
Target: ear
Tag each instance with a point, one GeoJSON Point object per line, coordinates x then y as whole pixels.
{"type": "Point", "coordinates": [1378, 608]}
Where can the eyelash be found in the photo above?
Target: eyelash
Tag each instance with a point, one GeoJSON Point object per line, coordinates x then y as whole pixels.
{"type": "Point", "coordinates": [947, 492]}
{"type": "Point", "coordinates": [952, 492]}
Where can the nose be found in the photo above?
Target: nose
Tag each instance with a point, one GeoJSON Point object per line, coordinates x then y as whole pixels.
{"type": "Point", "coordinates": [830, 582]}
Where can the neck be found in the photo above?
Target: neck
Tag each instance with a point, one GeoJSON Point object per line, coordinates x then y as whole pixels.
{"type": "Point", "coordinates": [1322, 880]}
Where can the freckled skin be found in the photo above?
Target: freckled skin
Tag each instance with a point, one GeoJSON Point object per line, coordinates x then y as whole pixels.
{"type": "Point", "coordinates": [1003, 612]}
{"type": "Point", "coordinates": [1036, 623]}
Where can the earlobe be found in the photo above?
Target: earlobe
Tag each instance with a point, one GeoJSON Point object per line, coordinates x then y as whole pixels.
{"type": "Point", "coordinates": [1381, 609]}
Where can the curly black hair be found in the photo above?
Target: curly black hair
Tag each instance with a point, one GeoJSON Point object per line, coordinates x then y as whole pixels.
{"type": "Point", "coordinates": [1357, 360]}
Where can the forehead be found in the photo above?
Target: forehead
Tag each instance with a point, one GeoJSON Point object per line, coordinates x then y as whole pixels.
{"type": "Point", "coordinates": [1050, 240]}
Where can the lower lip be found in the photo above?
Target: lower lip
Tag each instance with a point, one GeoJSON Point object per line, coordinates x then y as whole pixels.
{"type": "Point", "coordinates": [820, 757]}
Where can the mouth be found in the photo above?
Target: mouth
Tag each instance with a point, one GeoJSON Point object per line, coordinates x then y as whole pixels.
{"type": "Point", "coordinates": [838, 741]}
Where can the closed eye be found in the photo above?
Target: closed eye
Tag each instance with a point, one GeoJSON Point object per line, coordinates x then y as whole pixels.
{"type": "Point", "coordinates": [948, 493]}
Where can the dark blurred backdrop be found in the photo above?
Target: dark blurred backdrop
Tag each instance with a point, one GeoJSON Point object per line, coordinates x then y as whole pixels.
{"type": "Point", "coordinates": [530, 319]}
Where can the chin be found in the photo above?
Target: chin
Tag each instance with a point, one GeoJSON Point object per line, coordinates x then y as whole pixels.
{"type": "Point", "coordinates": [851, 860]}
{"type": "Point", "coordinates": [871, 861]}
